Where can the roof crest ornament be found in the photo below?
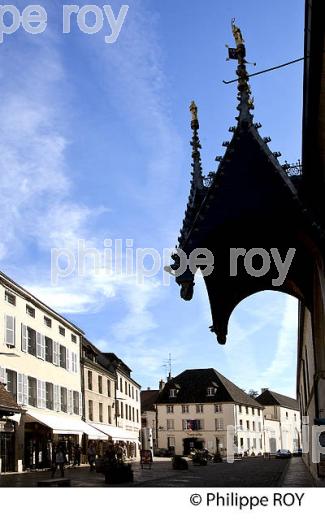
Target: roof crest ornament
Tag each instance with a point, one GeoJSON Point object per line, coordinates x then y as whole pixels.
{"type": "Point", "coordinates": [196, 147]}
{"type": "Point", "coordinates": [246, 101]}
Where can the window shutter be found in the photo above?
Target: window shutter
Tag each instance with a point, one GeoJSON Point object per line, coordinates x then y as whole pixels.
{"type": "Point", "coordinates": [75, 360]}
{"type": "Point", "coordinates": [80, 403]}
{"type": "Point", "coordinates": [39, 393]}
{"type": "Point", "coordinates": [42, 346]}
{"type": "Point", "coordinates": [70, 401]}
{"type": "Point", "coordinates": [38, 345]}
{"type": "Point", "coordinates": [24, 341]}
{"type": "Point", "coordinates": [10, 330]}
{"type": "Point", "coordinates": [55, 353]}
{"type": "Point", "coordinates": [3, 376]}
{"type": "Point", "coordinates": [57, 398]}
{"type": "Point", "coordinates": [25, 389]}
{"type": "Point", "coordinates": [43, 393]}
{"type": "Point", "coordinates": [20, 384]}
{"type": "Point", "coordinates": [67, 355]}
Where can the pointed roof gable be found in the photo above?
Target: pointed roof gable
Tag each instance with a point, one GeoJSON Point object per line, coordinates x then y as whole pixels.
{"type": "Point", "coordinates": [250, 202]}
{"type": "Point", "coordinates": [193, 385]}
{"type": "Point", "coordinates": [148, 400]}
{"type": "Point", "coordinates": [270, 398]}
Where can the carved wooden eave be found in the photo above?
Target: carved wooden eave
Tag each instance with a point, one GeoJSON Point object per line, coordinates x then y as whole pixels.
{"type": "Point", "coordinates": [251, 203]}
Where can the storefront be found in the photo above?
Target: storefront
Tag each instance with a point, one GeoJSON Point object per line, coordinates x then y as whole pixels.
{"type": "Point", "coordinates": [9, 415]}
{"type": "Point", "coordinates": [127, 440]}
{"type": "Point", "coordinates": [44, 431]}
{"type": "Point", "coordinates": [7, 445]}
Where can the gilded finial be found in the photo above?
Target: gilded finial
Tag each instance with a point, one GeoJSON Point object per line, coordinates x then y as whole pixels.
{"type": "Point", "coordinates": [196, 146]}
{"type": "Point", "coordinates": [246, 102]}
{"type": "Point", "coordinates": [193, 109]}
{"type": "Point", "coordinates": [237, 33]}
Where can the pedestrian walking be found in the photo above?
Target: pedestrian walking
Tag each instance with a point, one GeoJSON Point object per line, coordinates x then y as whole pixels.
{"type": "Point", "coordinates": [91, 454]}
{"type": "Point", "coordinates": [77, 455]}
{"type": "Point", "coordinates": [59, 461]}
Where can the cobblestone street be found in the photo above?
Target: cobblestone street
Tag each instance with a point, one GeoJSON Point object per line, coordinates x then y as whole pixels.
{"type": "Point", "coordinates": [243, 473]}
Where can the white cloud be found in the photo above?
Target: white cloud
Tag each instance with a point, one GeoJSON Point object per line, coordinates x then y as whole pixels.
{"type": "Point", "coordinates": [286, 349]}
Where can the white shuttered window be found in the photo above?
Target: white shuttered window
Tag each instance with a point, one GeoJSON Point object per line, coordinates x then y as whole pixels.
{"type": "Point", "coordinates": [56, 356]}
{"type": "Point", "coordinates": [67, 359]}
{"type": "Point", "coordinates": [22, 389]}
{"type": "Point", "coordinates": [70, 401]}
{"type": "Point", "coordinates": [80, 403]}
{"type": "Point", "coordinates": [24, 338]}
{"type": "Point", "coordinates": [41, 394]}
{"type": "Point", "coordinates": [3, 376]}
{"type": "Point", "coordinates": [57, 398]}
{"type": "Point", "coordinates": [10, 330]}
{"type": "Point", "coordinates": [38, 345]}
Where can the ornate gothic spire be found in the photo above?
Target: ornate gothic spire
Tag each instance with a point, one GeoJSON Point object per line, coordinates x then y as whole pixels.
{"type": "Point", "coordinates": [246, 102]}
{"type": "Point", "coordinates": [196, 146]}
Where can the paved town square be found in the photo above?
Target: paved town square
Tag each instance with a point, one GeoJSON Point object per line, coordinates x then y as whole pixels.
{"type": "Point", "coordinates": [250, 472]}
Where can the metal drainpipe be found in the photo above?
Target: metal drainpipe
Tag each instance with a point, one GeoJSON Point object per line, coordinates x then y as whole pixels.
{"type": "Point", "coordinates": [156, 426]}
{"type": "Point", "coordinates": [116, 397]}
{"type": "Point", "coordinates": [83, 417]}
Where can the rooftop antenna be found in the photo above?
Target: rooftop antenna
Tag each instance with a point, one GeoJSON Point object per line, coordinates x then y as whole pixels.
{"type": "Point", "coordinates": [168, 365]}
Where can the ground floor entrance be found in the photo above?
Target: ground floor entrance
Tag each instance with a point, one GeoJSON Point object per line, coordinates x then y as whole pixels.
{"type": "Point", "coordinates": [192, 443]}
{"type": "Point", "coordinates": [7, 451]}
{"type": "Point", "coordinates": [37, 446]}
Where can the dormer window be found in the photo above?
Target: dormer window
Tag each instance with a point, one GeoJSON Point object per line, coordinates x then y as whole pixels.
{"type": "Point", "coordinates": [212, 389]}
{"type": "Point", "coordinates": [172, 392]}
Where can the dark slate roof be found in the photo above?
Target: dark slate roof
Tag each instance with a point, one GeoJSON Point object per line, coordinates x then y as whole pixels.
{"type": "Point", "coordinates": [117, 362]}
{"type": "Point", "coordinates": [148, 399]}
{"type": "Point", "coordinates": [7, 401]}
{"type": "Point", "coordinates": [193, 389]}
{"type": "Point", "coordinates": [269, 398]}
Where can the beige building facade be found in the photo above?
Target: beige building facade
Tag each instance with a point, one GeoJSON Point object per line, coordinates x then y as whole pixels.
{"type": "Point", "coordinates": [40, 366]}
{"type": "Point", "coordinates": [128, 407]}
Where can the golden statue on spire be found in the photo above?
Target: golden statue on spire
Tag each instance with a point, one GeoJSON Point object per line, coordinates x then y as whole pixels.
{"type": "Point", "coordinates": [237, 33]}
{"type": "Point", "coordinates": [193, 109]}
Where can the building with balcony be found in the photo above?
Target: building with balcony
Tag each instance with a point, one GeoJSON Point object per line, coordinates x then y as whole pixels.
{"type": "Point", "coordinates": [195, 408]}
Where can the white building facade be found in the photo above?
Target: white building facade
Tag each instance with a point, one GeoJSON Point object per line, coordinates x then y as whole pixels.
{"type": "Point", "coordinates": [195, 408]}
{"type": "Point", "coordinates": [282, 424]}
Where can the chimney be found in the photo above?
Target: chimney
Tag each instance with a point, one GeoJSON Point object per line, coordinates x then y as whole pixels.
{"type": "Point", "coordinates": [161, 384]}
{"type": "Point", "coordinates": [263, 390]}
{"type": "Point", "coordinates": [148, 388]}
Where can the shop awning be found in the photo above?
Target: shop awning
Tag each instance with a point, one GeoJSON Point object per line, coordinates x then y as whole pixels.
{"type": "Point", "coordinates": [16, 417]}
{"type": "Point", "coordinates": [66, 425]}
{"type": "Point", "coordinates": [117, 434]}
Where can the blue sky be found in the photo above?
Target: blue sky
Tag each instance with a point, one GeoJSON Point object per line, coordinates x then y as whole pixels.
{"type": "Point", "coordinates": [94, 144]}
